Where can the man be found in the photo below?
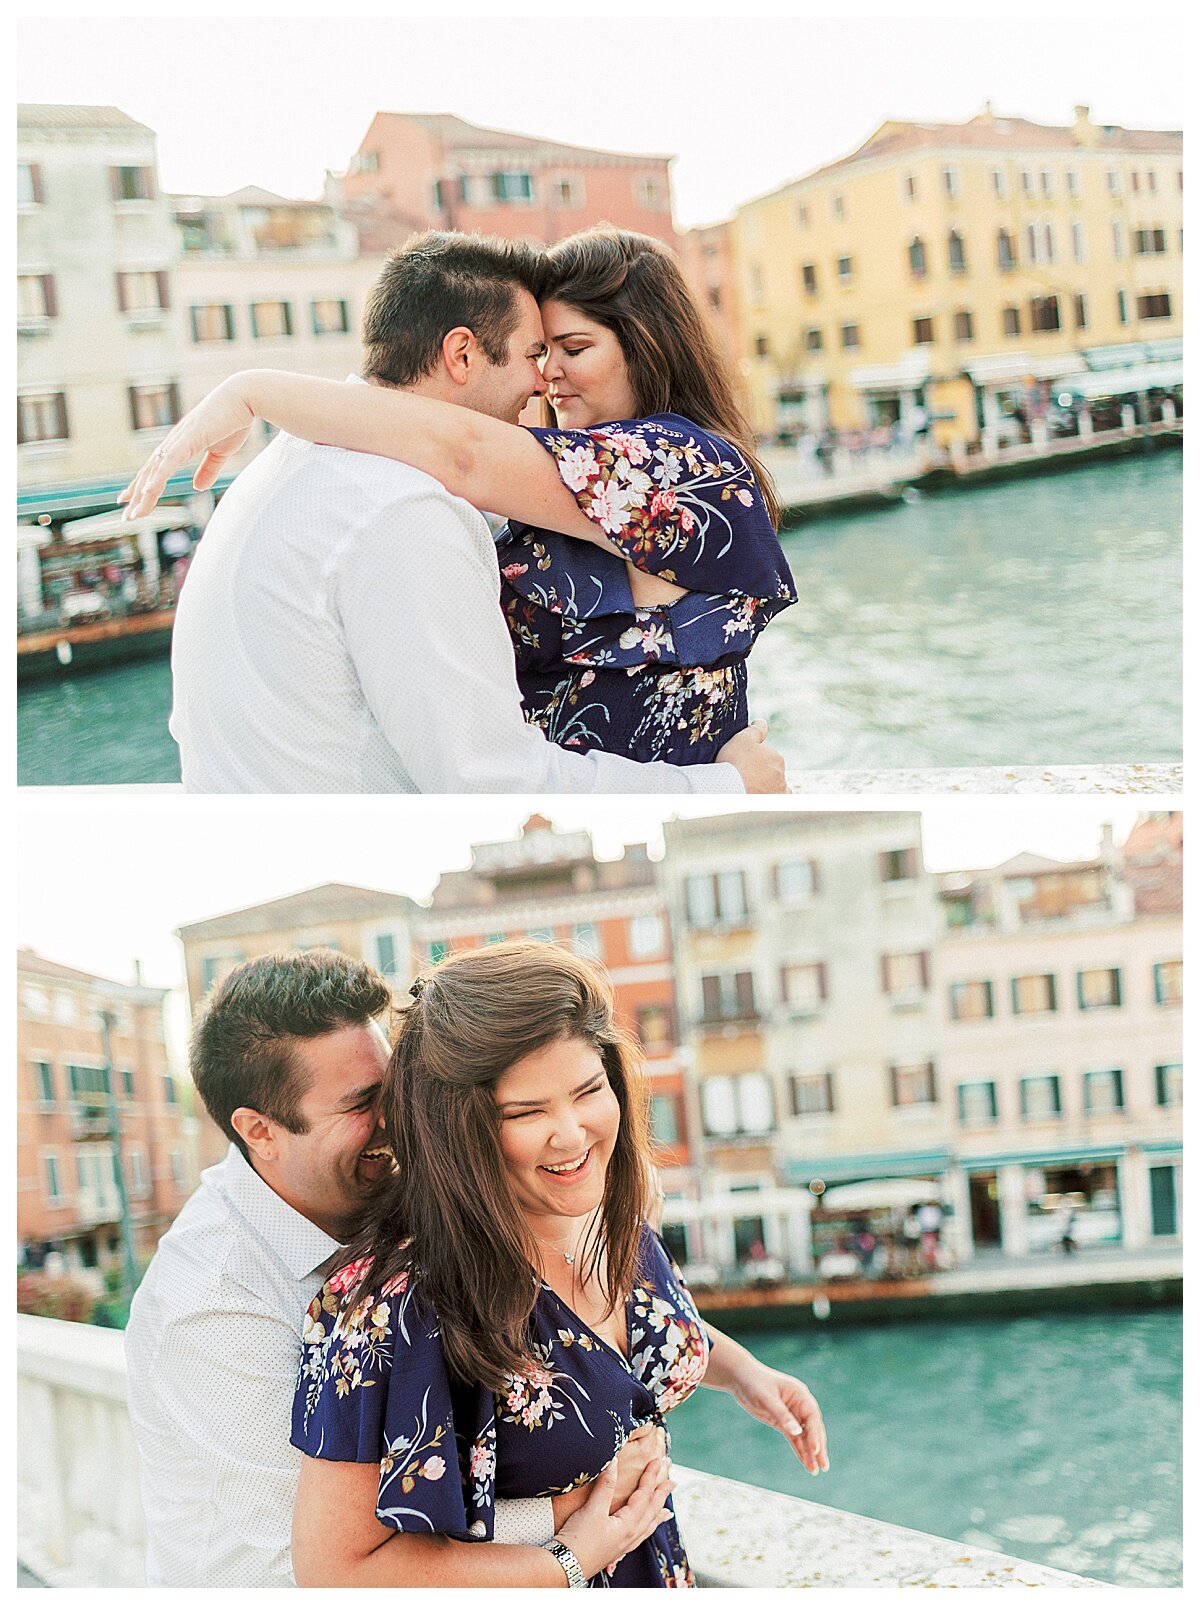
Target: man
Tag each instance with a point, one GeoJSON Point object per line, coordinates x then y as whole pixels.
{"type": "Point", "coordinates": [341, 630]}
{"type": "Point", "coordinates": [288, 1059]}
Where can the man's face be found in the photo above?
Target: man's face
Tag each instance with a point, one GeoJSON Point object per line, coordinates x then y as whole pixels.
{"type": "Point", "coordinates": [322, 1172]}
{"type": "Point", "coordinates": [502, 389]}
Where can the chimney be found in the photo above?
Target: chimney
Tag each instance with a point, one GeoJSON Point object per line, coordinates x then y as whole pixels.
{"type": "Point", "coordinates": [1084, 131]}
{"type": "Point", "coordinates": [137, 972]}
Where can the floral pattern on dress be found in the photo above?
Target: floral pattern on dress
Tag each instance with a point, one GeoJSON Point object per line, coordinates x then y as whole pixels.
{"type": "Point", "coordinates": [551, 1429]}
{"type": "Point", "coordinates": [680, 503]}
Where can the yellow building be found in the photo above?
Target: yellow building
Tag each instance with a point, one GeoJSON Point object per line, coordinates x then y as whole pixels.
{"type": "Point", "coordinates": [955, 268]}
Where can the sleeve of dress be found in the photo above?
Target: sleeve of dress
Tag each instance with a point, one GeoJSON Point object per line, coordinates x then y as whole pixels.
{"type": "Point", "coordinates": [679, 502]}
{"type": "Point", "coordinates": [374, 1386]}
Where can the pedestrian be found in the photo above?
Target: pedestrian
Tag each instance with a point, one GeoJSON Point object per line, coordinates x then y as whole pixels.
{"type": "Point", "coordinates": [1067, 1240]}
{"type": "Point", "coordinates": [911, 1232]}
{"type": "Point", "coordinates": [929, 1218]}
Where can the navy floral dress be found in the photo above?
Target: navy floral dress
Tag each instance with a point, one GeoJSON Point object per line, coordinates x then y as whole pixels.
{"type": "Point", "coordinates": [374, 1386]}
{"type": "Point", "coordinates": [653, 683]}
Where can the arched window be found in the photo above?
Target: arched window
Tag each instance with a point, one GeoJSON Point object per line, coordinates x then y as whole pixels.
{"type": "Point", "coordinates": [916, 257]}
{"type": "Point", "coordinates": [1006, 251]}
{"type": "Point", "coordinates": [958, 252]}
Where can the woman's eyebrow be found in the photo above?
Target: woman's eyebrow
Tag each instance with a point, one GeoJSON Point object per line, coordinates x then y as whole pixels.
{"type": "Point", "coordinates": [530, 1103]}
{"type": "Point", "coordinates": [557, 339]}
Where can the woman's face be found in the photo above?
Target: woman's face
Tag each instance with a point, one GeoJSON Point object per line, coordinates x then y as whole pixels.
{"type": "Point", "coordinates": [584, 369]}
{"type": "Point", "coordinates": [558, 1127]}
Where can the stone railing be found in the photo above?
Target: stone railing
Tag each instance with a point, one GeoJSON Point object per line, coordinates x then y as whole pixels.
{"type": "Point", "coordinates": [79, 1520]}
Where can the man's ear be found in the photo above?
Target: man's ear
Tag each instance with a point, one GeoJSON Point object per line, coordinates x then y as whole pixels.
{"type": "Point", "coordinates": [459, 350]}
{"type": "Point", "coordinates": [256, 1131]}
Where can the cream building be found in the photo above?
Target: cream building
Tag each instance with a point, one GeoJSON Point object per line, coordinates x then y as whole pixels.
{"type": "Point", "coordinates": [953, 267]}
{"type": "Point", "coordinates": [803, 948]}
{"type": "Point", "coordinates": [1061, 995]}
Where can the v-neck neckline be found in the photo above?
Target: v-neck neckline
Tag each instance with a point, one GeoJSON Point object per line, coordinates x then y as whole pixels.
{"type": "Point", "coordinates": [591, 1331]}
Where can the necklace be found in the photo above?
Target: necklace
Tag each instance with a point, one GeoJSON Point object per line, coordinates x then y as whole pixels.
{"type": "Point", "coordinates": [570, 1258]}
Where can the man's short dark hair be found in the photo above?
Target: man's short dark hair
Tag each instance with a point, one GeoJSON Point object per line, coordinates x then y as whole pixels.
{"type": "Point", "coordinates": [436, 282]}
{"type": "Point", "coordinates": [242, 1052]}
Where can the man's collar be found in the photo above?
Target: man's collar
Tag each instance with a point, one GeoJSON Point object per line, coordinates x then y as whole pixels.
{"type": "Point", "coordinates": [302, 1246]}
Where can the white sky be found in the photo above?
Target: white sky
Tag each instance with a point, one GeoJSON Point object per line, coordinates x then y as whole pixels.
{"type": "Point", "coordinates": [745, 103]}
{"type": "Point", "coordinates": [101, 883]}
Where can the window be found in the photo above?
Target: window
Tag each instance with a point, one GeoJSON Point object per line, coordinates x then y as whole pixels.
{"type": "Point", "coordinates": [716, 899]}
{"type": "Point", "coordinates": [795, 879]}
{"type": "Point", "coordinates": [1168, 981]}
{"type": "Point", "coordinates": [1072, 183]}
{"type": "Point", "coordinates": [654, 1025]}
{"type": "Point", "coordinates": [138, 1181]}
{"type": "Point", "coordinates": [153, 406]}
{"type": "Point", "coordinates": [850, 337]}
{"type": "Point", "coordinates": [1081, 314]}
{"type": "Point", "coordinates": [169, 1090]}
{"type": "Point", "coordinates": [36, 296]}
{"type": "Point", "coordinates": [566, 193]}
{"type": "Point", "coordinates": [1043, 314]}
{"type": "Point", "coordinates": [808, 274]}
{"type": "Point", "coordinates": [1006, 250]}
{"type": "Point", "coordinates": [1077, 250]}
{"type": "Point", "coordinates": [53, 1180]}
{"type": "Point", "coordinates": [367, 161]}
{"type": "Point", "coordinates": [1026, 181]}
{"type": "Point", "coordinates": [845, 269]}
{"type": "Point", "coordinates": [514, 186]}
{"type": "Point", "coordinates": [1047, 183]}
{"type": "Point", "coordinates": [1031, 242]}
{"type": "Point", "coordinates": [42, 418]}
{"type": "Point", "coordinates": [664, 1118]}
{"type": "Point", "coordinates": [756, 286]}
{"type": "Point", "coordinates": [37, 1001]}
{"type": "Point", "coordinates": [1149, 242]}
{"type": "Point", "coordinates": [898, 864]}
{"type": "Point", "coordinates": [734, 1106]}
{"type": "Point", "coordinates": [803, 987]}
{"type": "Point", "coordinates": [728, 996]}
{"type": "Point", "coordinates": [916, 257]}
{"type": "Point", "coordinates": [922, 331]}
{"type": "Point", "coordinates": [802, 215]}
{"type": "Point", "coordinates": [912, 1085]}
{"type": "Point", "coordinates": [971, 1000]}
{"type": "Point", "coordinates": [330, 317]}
{"type": "Point", "coordinates": [177, 1176]}
{"type": "Point", "coordinates": [1034, 994]}
{"type": "Point", "coordinates": [142, 292]}
{"type": "Point", "coordinates": [43, 1081]}
{"type": "Point", "coordinates": [957, 248]}
{"type": "Point", "coordinates": [438, 951]}
{"type": "Point", "coordinates": [270, 320]}
{"type": "Point", "coordinates": [1152, 181]}
{"type": "Point", "coordinates": [650, 193]}
{"type": "Point", "coordinates": [87, 1082]}
{"type": "Point", "coordinates": [1098, 989]}
{"type": "Point", "coordinates": [1041, 1098]}
{"type": "Point", "coordinates": [910, 186]}
{"type": "Point", "coordinates": [950, 181]}
{"type": "Point", "coordinates": [976, 1103]}
{"type": "Point", "coordinates": [585, 939]}
{"type": "Point", "coordinates": [1114, 181]}
{"type": "Point", "coordinates": [29, 184]}
{"type": "Point", "coordinates": [1122, 307]}
{"type": "Point", "coordinates": [1118, 239]}
{"type": "Point", "coordinates": [540, 933]}
{"type": "Point", "coordinates": [999, 183]}
{"type": "Point", "coordinates": [838, 207]}
{"type": "Point", "coordinates": [762, 346]}
{"type": "Point", "coordinates": [211, 323]}
{"type": "Point", "coordinates": [1047, 242]}
{"type": "Point", "coordinates": [1164, 1219]}
{"type": "Point", "coordinates": [131, 183]}
{"type": "Point", "coordinates": [964, 326]}
{"type": "Point", "coordinates": [1135, 182]}
{"type": "Point", "coordinates": [385, 953]}
{"type": "Point", "coordinates": [1168, 1085]}
{"type": "Point", "coordinates": [904, 973]}
{"type": "Point", "coordinates": [494, 938]}
{"type": "Point", "coordinates": [1154, 306]}
{"type": "Point", "coordinates": [647, 936]}
{"type": "Point", "coordinates": [814, 340]}
{"type": "Point", "coordinates": [64, 1008]}
{"type": "Point", "coordinates": [1103, 1092]}
{"type": "Point", "coordinates": [812, 1095]}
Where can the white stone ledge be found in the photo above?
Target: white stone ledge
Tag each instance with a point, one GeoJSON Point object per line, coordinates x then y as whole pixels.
{"type": "Point", "coordinates": [743, 1537]}
{"type": "Point", "coordinates": [1136, 779]}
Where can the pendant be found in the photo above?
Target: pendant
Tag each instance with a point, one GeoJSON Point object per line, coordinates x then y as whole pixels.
{"type": "Point", "coordinates": [570, 1258]}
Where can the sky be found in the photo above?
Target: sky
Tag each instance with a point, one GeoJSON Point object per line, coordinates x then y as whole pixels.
{"type": "Point", "coordinates": [744, 104]}
{"type": "Point", "coordinates": [102, 882]}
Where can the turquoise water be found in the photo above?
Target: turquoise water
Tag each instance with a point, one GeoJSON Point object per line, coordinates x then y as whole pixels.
{"type": "Point", "coordinates": [1056, 1438]}
{"type": "Point", "coordinates": [1031, 622]}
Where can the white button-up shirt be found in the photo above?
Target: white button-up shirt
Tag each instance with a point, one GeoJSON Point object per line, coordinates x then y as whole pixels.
{"type": "Point", "coordinates": [340, 631]}
{"type": "Point", "coordinates": [213, 1352]}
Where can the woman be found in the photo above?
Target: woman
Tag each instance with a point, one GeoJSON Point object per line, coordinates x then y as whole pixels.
{"type": "Point", "coordinates": [508, 1319]}
{"type": "Point", "coordinates": [640, 561]}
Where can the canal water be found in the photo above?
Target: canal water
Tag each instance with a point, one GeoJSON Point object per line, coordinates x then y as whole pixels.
{"type": "Point", "coordinates": [1031, 622]}
{"type": "Point", "coordinates": [1055, 1438]}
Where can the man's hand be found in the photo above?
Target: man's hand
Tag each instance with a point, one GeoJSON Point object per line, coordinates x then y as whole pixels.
{"type": "Point", "coordinates": [646, 1444]}
{"type": "Point", "coordinates": [599, 1535]}
{"type": "Point", "coordinates": [760, 766]}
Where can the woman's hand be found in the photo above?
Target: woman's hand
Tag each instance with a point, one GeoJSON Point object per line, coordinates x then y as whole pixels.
{"type": "Point", "coordinates": [214, 431]}
{"type": "Point", "coordinates": [639, 1449]}
{"type": "Point", "coordinates": [785, 1403]}
{"type": "Point", "coordinates": [598, 1536]}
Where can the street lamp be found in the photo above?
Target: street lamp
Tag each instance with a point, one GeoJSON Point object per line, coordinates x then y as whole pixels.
{"type": "Point", "coordinates": [129, 1258]}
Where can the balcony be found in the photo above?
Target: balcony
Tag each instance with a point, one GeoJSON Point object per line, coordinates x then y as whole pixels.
{"type": "Point", "coordinates": [730, 1025]}
{"type": "Point", "coordinates": [79, 1517]}
{"type": "Point", "coordinates": [89, 1120]}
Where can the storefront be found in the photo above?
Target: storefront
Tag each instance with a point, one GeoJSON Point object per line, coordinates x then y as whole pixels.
{"type": "Point", "coordinates": [891, 394]}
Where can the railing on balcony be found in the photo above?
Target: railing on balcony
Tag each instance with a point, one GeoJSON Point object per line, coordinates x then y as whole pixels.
{"type": "Point", "coordinates": [79, 1518]}
{"type": "Point", "coordinates": [89, 1120]}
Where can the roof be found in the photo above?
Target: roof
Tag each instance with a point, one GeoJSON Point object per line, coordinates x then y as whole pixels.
{"type": "Point", "coordinates": [1153, 853]}
{"type": "Point", "coordinates": [1027, 864]}
{"type": "Point", "coordinates": [31, 963]}
{"type": "Point", "coordinates": [50, 118]}
{"type": "Point", "coordinates": [456, 133]}
{"type": "Point", "coordinates": [330, 901]}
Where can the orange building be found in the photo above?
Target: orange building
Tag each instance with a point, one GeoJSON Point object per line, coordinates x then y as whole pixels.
{"type": "Point", "coordinates": [415, 172]}
{"type": "Point", "coordinates": [547, 886]}
{"type": "Point", "coordinates": [706, 257]}
{"type": "Point", "coordinates": [67, 1198]}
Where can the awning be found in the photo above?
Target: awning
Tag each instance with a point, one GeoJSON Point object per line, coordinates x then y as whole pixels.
{"type": "Point", "coordinates": [994, 370]}
{"type": "Point", "coordinates": [894, 1193]}
{"type": "Point", "coordinates": [864, 1167]}
{"type": "Point", "coordinates": [1061, 366]}
{"type": "Point", "coordinates": [908, 374]}
{"type": "Point", "coordinates": [99, 525]}
{"type": "Point", "coordinates": [1042, 1157]}
{"type": "Point", "coordinates": [59, 499]}
{"type": "Point", "coordinates": [735, 1206]}
{"type": "Point", "coordinates": [1100, 358]}
{"type": "Point", "coordinates": [1121, 381]}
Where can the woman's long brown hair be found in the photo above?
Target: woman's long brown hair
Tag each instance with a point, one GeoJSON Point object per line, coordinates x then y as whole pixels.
{"type": "Point", "coordinates": [450, 1218]}
{"type": "Point", "coordinates": [632, 284]}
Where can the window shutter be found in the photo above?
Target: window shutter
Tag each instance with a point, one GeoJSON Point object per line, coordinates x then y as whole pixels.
{"type": "Point", "coordinates": [1117, 988]}
{"type": "Point", "coordinates": [164, 290]}
{"type": "Point", "coordinates": [815, 872]}
{"type": "Point", "coordinates": [133, 407]}
{"type": "Point", "coordinates": [794, 1094]}
{"type": "Point", "coordinates": [60, 408]}
{"type": "Point", "coordinates": [148, 178]}
{"type": "Point", "coordinates": [122, 297]}
{"type": "Point", "coordinates": [822, 981]}
{"type": "Point", "coordinates": [114, 182]}
{"type": "Point", "coordinates": [885, 973]}
{"type": "Point", "coordinates": [712, 997]}
{"type": "Point", "coordinates": [895, 1080]}
{"type": "Point", "coordinates": [774, 880]}
{"type": "Point", "coordinates": [49, 295]}
{"type": "Point", "coordinates": [745, 992]}
{"type": "Point", "coordinates": [21, 435]}
{"type": "Point", "coordinates": [173, 397]}
{"type": "Point", "coordinates": [783, 983]}
{"type": "Point", "coordinates": [829, 1091]}
{"type": "Point", "coordinates": [1119, 1088]}
{"type": "Point", "coordinates": [925, 971]}
{"type": "Point", "coordinates": [933, 1083]}
{"type": "Point", "coordinates": [35, 181]}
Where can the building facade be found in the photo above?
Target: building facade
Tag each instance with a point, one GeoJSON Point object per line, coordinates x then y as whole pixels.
{"type": "Point", "coordinates": [961, 274]}
{"type": "Point", "coordinates": [417, 172]}
{"type": "Point", "coordinates": [1061, 991]}
{"type": "Point", "coordinates": [67, 1198]}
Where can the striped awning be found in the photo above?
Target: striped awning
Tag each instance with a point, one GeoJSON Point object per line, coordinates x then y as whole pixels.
{"type": "Point", "coordinates": [97, 495]}
{"type": "Point", "coordinates": [864, 1167]}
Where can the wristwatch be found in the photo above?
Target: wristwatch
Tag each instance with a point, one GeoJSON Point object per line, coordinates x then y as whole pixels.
{"type": "Point", "coordinates": [564, 1557]}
